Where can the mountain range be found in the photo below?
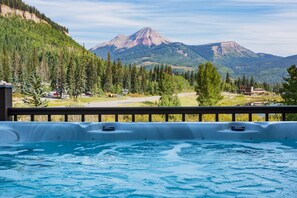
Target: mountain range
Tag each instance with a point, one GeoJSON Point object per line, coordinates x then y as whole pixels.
{"type": "Point", "coordinates": [147, 47]}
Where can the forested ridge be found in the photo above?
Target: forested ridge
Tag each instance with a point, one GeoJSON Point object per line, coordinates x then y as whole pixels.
{"type": "Point", "coordinates": [19, 4]}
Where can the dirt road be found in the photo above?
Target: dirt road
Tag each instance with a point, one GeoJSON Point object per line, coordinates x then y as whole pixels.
{"type": "Point", "coordinates": [128, 101]}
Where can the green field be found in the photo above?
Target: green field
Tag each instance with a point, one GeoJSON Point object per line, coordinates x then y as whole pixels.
{"type": "Point", "coordinates": [228, 100]}
{"type": "Point", "coordinates": [189, 100]}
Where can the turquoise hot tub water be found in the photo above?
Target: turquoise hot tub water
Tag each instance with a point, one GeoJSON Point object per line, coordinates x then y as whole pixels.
{"type": "Point", "coordinates": [211, 160]}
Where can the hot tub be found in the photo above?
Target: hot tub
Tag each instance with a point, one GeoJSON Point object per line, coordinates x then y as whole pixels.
{"type": "Point", "coordinates": [12, 132]}
{"type": "Point", "coordinates": [148, 159]}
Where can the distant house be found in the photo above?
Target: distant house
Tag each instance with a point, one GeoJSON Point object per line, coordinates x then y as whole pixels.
{"type": "Point", "coordinates": [247, 90]}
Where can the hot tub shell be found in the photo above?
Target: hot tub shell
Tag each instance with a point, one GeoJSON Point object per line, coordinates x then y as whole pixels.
{"type": "Point", "coordinates": [22, 132]}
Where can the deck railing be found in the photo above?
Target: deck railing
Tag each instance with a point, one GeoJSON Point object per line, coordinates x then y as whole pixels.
{"type": "Point", "coordinates": [150, 111]}
{"type": "Point", "coordinates": [8, 113]}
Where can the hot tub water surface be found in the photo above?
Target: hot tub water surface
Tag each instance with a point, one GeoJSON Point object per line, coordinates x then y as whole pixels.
{"type": "Point", "coordinates": [149, 169]}
{"type": "Point", "coordinates": [148, 159]}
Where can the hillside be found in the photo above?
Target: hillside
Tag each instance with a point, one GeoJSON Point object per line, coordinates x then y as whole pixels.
{"type": "Point", "coordinates": [227, 56]}
{"type": "Point", "coordinates": [29, 44]}
{"type": "Point", "coordinates": [21, 6]}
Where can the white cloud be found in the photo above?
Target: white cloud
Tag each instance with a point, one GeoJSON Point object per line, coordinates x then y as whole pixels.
{"type": "Point", "coordinates": [261, 25]}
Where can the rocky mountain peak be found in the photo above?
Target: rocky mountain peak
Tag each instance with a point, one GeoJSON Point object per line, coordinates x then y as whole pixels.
{"type": "Point", "coordinates": [231, 47]}
{"type": "Point", "coordinates": [146, 36]}
{"type": "Point", "coordinates": [118, 42]}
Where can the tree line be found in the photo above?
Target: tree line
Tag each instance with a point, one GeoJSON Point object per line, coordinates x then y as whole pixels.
{"type": "Point", "coordinates": [71, 72]}
{"type": "Point", "coordinates": [233, 84]}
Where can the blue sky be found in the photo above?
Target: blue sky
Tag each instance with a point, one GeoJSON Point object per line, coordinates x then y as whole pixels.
{"type": "Point", "coordinates": [268, 26]}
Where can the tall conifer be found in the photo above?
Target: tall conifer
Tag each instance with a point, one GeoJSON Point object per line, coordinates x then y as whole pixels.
{"type": "Point", "coordinates": [208, 86]}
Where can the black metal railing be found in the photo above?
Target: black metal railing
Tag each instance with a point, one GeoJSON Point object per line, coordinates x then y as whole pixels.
{"type": "Point", "coordinates": [150, 111]}
{"type": "Point", "coordinates": [7, 113]}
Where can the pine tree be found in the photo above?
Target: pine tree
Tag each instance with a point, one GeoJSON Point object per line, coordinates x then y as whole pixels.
{"type": "Point", "coordinates": [90, 72]}
{"type": "Point", "coordinates": [94, 76]}
{"type": "Point", "coordinates": [43, 68]}
{"type": "Point", "coordinates": [155, 74]}
{"type": "Point", "coordinates": [127, 78]}
{"type": "Point", "coordinates": [135, 84]}
{"type": "Point", "coordinates": [192, 78]}
{"type": "Point", "coordinates": [252, 82]}
{"type": "Point", "coordinates": [238, 82]}
{"type": "Point", "coordinates": [16, 64]}
{"type": "Point", "coordinates": [114, 72]}
{"type": "Point", "coordinates": [228, 78]}
{"type": "Point", "coordinates": [99, 66]}
{"type": "Point", "coordinates": [208, 86]}
{"type": "Point", "coordinates": [158, 73]}
{"type": "Point", "coordinates": [289, 91]}
{"type": "Point", "coordinates": [266, 86]}
{"type": "Point", "coordinates": [80, 79]}
{"type": "Point", "coordinates": [244, 81]}
{"type": "Point", "coordinates": [167, 91]}
{"type": "Point", "coordinates": [33, 62]}
{"type": "Point", "coordinates": [34, 90]}
{"type": "Point", "coordinates": [70, 81]}
{"type": "Point", "coordinates": [7, 73]}
{"type": "Point", "coordinates": [143, 79]}
{"type": "Point", "coordinates": [108, 75]}
{"type": "Point", "coordinates": [52, 60]}
{"type": "Point", "coordinates": [119, 74]}
{"type": "Point", "coordinates": [61, 80]}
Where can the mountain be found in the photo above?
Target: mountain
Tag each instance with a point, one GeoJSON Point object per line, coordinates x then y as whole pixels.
{"type": "Point", "coordinates": [149, 48]}
{"type": "Point", "coordinates": [8, 11]}
{"type": "Point", "coordinates": [20, 9]}
{"type": "Point", "coordinates": [22, 31]}
{"type": "Point", "coordinates": [146, 37]}
{"type": "Point", "coordinates": [31, 42]}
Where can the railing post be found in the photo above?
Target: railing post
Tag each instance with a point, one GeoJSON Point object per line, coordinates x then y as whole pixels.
{"type": "Point", "coordinates": [5, 101]}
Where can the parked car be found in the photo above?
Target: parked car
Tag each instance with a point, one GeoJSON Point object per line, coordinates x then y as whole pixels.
{"type": "Point", "coordinates": [52, 94]}
{"type": "Point", "coordinates": [89, 93]}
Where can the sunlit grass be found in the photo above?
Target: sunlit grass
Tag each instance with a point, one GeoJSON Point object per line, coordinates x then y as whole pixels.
{"type": "Point", "coordinates": [80, 101]}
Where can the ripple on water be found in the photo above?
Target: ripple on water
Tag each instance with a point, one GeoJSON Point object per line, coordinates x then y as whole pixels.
{"type": "Point", "coordinates": [150, 169]}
